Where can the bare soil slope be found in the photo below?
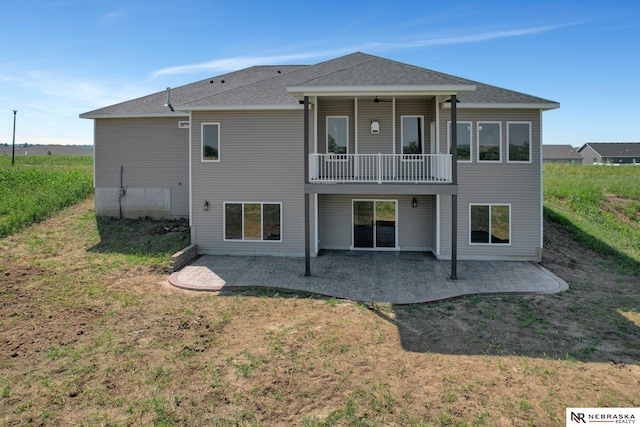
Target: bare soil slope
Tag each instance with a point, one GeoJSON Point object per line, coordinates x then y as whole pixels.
{"type": "Point", "coordinates": [91, 337]}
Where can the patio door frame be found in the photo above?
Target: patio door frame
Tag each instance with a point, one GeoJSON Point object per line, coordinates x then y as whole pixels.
{"type": "Point", "coordinates": [374, 248]}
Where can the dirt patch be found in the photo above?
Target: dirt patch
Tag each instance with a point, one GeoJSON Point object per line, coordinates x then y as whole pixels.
{"type": "Point", "coordinates": [625, 210]}
{"type": "Point", "coordinates": [93, 334]}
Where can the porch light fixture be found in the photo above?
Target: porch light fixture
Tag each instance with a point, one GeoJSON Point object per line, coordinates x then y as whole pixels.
{"type": "Point", "coordinates": [375, 127]}
{"type": "Point", "coordinates": [414, 203]}
{"type": "Point", "coordinates": [206, 205]}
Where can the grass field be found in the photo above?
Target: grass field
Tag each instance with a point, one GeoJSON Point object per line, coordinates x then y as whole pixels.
{"type": "Point", "coordinates": [37, 187]}
{"type": "Point", "coordinates": [599, 205]}
{"type": "Point", "coordinates": [92, 335]}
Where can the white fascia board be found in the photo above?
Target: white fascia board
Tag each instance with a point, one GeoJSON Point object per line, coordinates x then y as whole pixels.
{"type": "Point", "coordinates": [582, 148]}
{"type": "Point", "coordinates": [489, 105]}
{"type": "Point", "coordinates": [239, 107]}
{"type": "Point", "coordinates": [398, 90]}
{"type": "Point", "coordinates": [132, 115]}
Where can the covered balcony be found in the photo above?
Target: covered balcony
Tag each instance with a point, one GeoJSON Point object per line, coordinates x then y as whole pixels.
{"type": "Point", "coordinates": [380, 168]}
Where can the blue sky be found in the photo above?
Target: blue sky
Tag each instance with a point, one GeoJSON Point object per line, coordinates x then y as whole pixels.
{"type": "Point", "coordinates": [60, 58]}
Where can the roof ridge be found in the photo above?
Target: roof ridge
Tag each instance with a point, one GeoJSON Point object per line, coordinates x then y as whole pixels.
{"type": "Point", "coordinates": [245, 84]}
{"type": "Point", "coordinates": [368, 59]}
{"type": "Point", "coordinates": [301, 69]}
{"type": "Point", "coordinates": [176, 88]}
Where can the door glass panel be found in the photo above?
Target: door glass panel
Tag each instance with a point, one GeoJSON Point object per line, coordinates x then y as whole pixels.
{"type": "Point", "coordinates": [337, 136]}
{"type": "Point", "coordinates": [385, 224]}
{"type": "Point", "coordinates": [411, 135]}
{"type": "Point", "coordinates": [363, 224]}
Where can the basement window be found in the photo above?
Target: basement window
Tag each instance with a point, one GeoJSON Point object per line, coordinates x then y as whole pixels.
{"type": "Point", "coordinates": [489, 224]}
{"type": "Point", "coordinates": [248, 221]}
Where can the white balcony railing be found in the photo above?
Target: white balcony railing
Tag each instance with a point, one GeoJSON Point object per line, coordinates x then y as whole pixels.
{"type": "Point", "coordinates": [380, 168]}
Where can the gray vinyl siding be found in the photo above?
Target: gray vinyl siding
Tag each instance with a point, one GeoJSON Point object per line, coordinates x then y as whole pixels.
{"type": "Point", "coordinates": [382, 142]}
{"type": "Point", "coordinates": [588, 154]}
{"type": "Point", "coordinates": [343, 107]}
{"type": "Point", "coordinates": [153, 153]}
{"type": "Point", "coordinates": [261, 160]}
{"type": "Point", "coordinates": [414, 107]}
{"type": "Point", "coordinates": [368, 143]}
{"type": "Point", "coordinates": [517, 184]}
{"type": "Point", "coordinates": [415, 230]}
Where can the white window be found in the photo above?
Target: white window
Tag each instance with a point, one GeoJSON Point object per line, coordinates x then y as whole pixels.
{"type": "Point", "coordinates": [464, 141]}
{"type": "Point", "coordinates": [337, 135]}
{"type": "Point", "coordinates": [248, 221]}
{"type": "Point", "coordinates": [489, 142]}
{"type": "Point", "coordinates": [489, 224]}
{"type": "Point", "coordinates": [412, 134]}
{"type": "Point", "coordinates": [519, 142]}
{"type": "Point", "coordinates": [210, 142]}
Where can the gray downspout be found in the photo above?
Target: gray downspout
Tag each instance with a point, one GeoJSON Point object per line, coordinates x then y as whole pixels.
{"type": "Point", "coordinates": [121, 193]}
{"type": "Point", "coordinates": [307, 237]}
{"type": "Point", "coordinates": [454, 197]}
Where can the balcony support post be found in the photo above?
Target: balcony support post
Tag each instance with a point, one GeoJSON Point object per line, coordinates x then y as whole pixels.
{"type": "Point", "coordinates": [454, 197]}
{"type": "Point", "coordinates": [307, 228]}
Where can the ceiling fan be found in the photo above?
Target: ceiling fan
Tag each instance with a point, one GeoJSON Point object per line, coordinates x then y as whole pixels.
{"type": "Point", "coordinates": [377, 100]}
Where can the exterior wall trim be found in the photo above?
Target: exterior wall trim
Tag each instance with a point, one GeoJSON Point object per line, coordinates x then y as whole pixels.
{"type": "Point", "coordinates": [403, 189]}
{"type": "Point", "coordinates": [508, 106]}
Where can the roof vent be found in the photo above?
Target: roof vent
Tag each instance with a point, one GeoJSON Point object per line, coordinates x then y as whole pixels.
{"type": "Point", "coordinates": [221, 81]}
{"type": "Point", "coordinates": [279, 71]}
{"type": "Point", "coordinates": [168, 104]}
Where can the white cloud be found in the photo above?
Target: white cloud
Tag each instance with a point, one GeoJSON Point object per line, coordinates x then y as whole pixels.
{"type": "Point", "coordinates": [467, 39]}
{"type": "Point", "coordinates": [84, 92]}
{"type": "Point", "coordinates": [239, 62]}
{"type": "Point", "coordinates": [112, 16]}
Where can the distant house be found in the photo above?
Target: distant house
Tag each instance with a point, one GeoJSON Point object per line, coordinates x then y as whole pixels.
{"type": "Point", "coordinates": [561, 154]}
{"type": "Point", "coordinates": [610, 153]}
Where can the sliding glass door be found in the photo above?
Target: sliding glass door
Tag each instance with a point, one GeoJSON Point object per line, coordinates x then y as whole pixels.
{"type": "Point", "coordinates": [374, 224]}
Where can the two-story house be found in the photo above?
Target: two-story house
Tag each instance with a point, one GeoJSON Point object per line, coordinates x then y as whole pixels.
{"type": "Point", "coordinates": [354, 153]}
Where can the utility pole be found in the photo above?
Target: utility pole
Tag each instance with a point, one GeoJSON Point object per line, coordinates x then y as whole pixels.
{"type": "Point", "coordinates": [13, 150]}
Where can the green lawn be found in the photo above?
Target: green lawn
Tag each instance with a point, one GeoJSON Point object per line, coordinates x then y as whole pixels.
{"type": "Point", "coordinates": [599, 205]}
{"type": "Point", "coordinates": [37, 187]}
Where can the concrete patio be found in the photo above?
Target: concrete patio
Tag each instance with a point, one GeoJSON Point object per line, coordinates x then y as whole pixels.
{"type": "Point", "coordinates": [393, 277]}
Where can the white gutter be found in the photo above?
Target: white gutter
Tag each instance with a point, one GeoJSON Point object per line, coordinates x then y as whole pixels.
{"type": "Point", "coordinates": [488, 105]}
{"type": "Point", "coordinates": [240, 107]}
{"type": "Point", "coordinates": [132, 115]}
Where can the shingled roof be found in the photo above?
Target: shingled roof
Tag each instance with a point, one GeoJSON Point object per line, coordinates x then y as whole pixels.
{"type": "Point", "coordinates": [614, 149]}
{"type": "Point", "coordinates": [560, 152]}
{"type": "Point", "coordinates": [262, 87]}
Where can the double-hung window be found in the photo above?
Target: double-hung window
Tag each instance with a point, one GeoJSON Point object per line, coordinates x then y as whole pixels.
{"type": "Point", "coordinates": [489, 224]}
{"type": "Point", "coordinates": [412, 135]}
{"type": "Point", "coordinates": [338, 136]}
{"type": "Point", "coordinates": [519, 142]}
{"type": "Point", "coordinates": [489, 142]}
{"type": "Point", "coordinates": [464, 140]}
{"type": "Point", "coordinates": [210, 142]}
{"type": "Point", "coordinates": [253, 221]}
